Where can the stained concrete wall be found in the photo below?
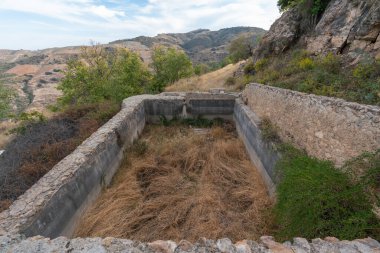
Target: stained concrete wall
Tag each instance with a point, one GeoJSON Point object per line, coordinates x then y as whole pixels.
{"type": "Point", "coordinates": [327, 128]}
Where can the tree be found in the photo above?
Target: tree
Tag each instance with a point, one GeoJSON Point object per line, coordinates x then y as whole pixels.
{"type": "Point", "coordinates": [103, 74]}
{"type": "Point", "coordinates": [241, 48]}
{"type": "Point", "coordinates": [6, 96]}
{"type": "Point", "coordinates": [169, 65]}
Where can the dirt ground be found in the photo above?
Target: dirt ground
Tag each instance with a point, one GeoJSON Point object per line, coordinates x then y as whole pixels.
{"type": "Point", "coordinates": [178, 183]}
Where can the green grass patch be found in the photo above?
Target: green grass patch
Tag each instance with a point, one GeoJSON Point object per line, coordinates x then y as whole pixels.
{"type": "Point", "coordinates": [314, 199]}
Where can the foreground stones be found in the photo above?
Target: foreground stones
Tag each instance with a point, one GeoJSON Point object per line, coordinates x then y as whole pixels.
{"type": "Point", "coordinates": [18, 243]}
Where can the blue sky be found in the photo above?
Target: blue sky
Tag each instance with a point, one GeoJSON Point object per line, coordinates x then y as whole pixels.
{"type": "Point", "coordinates": [38, 24]}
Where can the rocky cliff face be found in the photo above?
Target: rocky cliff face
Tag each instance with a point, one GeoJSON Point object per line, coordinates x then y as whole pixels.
{"type": "Point", "coordinates": [350, 27]}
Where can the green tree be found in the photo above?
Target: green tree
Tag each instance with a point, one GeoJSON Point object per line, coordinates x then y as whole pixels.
{"type": "Point", "coordinates": [169, 65]}
{"type": "Point", "coordinates": [201, 69]}
{"type": "Point", "coordinates": [6, 96]}
{"type": "Point", "coordinates": [103, 74]}
{"type": "Point", "coordinates": [314, 7]}
{"type": "Point", "coordinates": [241, 48]}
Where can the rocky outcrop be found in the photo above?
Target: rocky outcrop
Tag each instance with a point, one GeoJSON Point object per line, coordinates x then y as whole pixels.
{"type": "Point", "coordinates": [282, 35]}
{"type": "Point", "coordinates": [267, 244]}
{"type": "Point", "coordinates": [346, 27]}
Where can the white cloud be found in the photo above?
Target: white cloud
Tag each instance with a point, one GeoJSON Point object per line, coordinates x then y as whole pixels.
{"type": "Point", "coordinates": [104, 12]}
{"type": "Point", "coordinates": [127, 19]}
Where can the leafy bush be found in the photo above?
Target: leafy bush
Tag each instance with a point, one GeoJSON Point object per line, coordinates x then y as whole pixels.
{"type": "Point", "coordinates": [269, 131]}
{"type": "Point", "coordinates": [316, 200]}
{"type": "Point", "coordinates": [261, 64]}
{"type": "Point", "coordinates": [330, 63]}
{"type": "Point", "coordinates": [169, 65]}
{"type": "Point", "coordinates": [306, 64]}
{"type": "Point", "coordinates": [201, 69]}
{"type": "Point", "coordinates": [6, 96]}
{"type": "Point", "coordinates": [249, 68]}
{"type": "Point", "coordinates": [230, 81]}
{"type": "Point", "coordinates": [102, 75]}
{"type": "Point", "coordinates": [241, 48]}
{"type": "Point", "coordinates": [314, 7]}
{"type": "Point", "coordinates": [366, 70]}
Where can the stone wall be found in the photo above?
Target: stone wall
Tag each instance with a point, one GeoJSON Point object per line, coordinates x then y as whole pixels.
{"type": "Point", "coordinates": [327, 128]}
{"type": "Point", "coordinates": [17, 243]}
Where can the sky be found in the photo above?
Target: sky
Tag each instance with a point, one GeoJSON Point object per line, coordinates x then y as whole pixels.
{"type": "Point", "coordinates": [39, 24]}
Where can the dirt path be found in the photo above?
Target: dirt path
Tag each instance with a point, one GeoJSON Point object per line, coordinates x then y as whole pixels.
{"type": "Point", "coordinates": [177, 183]}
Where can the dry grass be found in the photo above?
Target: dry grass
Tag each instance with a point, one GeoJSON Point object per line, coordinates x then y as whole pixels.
{"type": "Point", "coordinates": [180, 184]}
{"type": "Point", "coordinates": [33, 152]}
{"type": "Point", "coordinates": [216, 79]}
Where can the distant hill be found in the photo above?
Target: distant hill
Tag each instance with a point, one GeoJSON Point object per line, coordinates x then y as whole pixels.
{"type": "Point", "coordinates": [202, 46]}
{"type": "Point", "coordinates": [34, 75]}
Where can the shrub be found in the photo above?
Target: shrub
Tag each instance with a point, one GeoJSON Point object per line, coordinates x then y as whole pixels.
{"type": "Point", "coordinates": [169, 65]}
{"type": "Point", "coordinates": [201, 69]}
{"type": "Point", "coordinates": [261, 64]}
{"type": "Point", "coordinates": [363, 71]}
{"type": "Point", "coordinates": [6, 96]}
{"type": "Point", "coordinates": [230, 81]}
{"type": "Point", "coordinates": [102, 75]}
{"type": "Point", "coordinates": [269, 131]}
{"type": "Point", "coordinates": [330, 63]}
{"type": "Point", "coordinates": [241, 48]}
{"type": "Point", "coordinates": [249, 68]}
{"type": "Point", "coordinates": [306, 64]}
{"type": "Point", "coordinates": [316, 200]}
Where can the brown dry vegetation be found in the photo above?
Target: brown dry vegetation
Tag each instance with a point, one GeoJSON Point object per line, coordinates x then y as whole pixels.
{"type": "Point", "coordinates": [39, 146]}
{"type": "Point", "coordinates": [182, 184]}
{"type": "Point", "coordinates": [215, 79]}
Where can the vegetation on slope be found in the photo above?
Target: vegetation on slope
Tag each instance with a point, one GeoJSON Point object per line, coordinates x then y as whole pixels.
{"type": "Point", "coordinates": [324, 75]}
{"type": "Point", "coordinates": [215, 79]}
{"type": "Point", "coordinates": [182, 185]}
{"type": "Point", "coordinates": [6, 96]}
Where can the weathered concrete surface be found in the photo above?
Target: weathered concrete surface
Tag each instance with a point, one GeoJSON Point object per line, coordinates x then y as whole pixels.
{"type": "Point", "coordinates": [51, 207]}
{"type": "Point", "coordinates": [327, 128]}
{"type": "Point", "coordinates": [38, 244]}
{"type": "Point", "coordinates": [262, 153]}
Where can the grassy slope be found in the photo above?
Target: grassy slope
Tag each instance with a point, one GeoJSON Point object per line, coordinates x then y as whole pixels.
{"type": "Point", "coordinates": [215, 79]}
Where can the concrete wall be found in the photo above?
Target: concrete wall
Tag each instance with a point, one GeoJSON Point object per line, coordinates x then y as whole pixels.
{"type": "Point", "coordinates": [326, 128]}
{"type": "Point", "coordinates": [261, 152]}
